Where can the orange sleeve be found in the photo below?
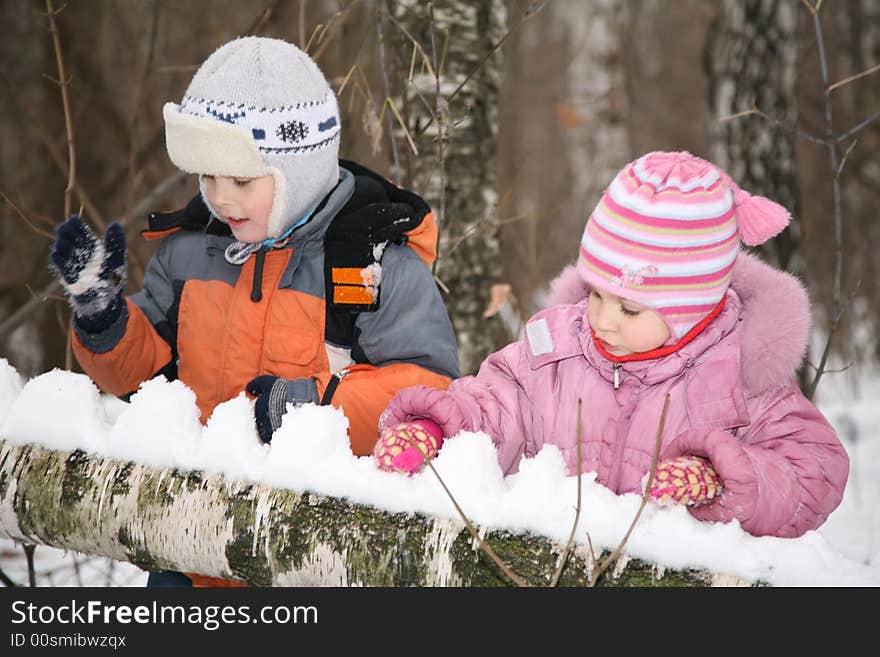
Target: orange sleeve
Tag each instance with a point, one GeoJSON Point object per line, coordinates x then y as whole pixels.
{"type": "Point", "coordinates": [135, 358]}
{"type": "Point", "coordinates": [365, 392]}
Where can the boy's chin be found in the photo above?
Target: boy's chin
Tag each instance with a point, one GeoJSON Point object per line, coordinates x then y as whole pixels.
{"type": "Point", "coordinates": [248, 236]}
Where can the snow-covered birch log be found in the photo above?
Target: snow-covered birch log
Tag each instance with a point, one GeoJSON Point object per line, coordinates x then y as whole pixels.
{"type": "Point", "coordinates": [192, 522]}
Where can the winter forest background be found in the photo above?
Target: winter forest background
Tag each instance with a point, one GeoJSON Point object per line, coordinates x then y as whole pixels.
{"type": "Point", "coordinates": [509, 116]}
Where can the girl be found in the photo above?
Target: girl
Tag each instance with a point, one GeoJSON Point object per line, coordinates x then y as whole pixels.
{"type": "Point", "coordinates": [665, 304]}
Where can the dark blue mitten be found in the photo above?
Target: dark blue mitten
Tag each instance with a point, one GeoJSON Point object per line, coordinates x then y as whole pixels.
{"type": "Point", "coordinates": [92, 271]}
{"type": "Point", "coordinates": [273, 394]}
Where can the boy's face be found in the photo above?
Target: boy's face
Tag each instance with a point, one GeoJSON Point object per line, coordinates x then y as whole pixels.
{"type": "Point", "coordinates": [243, 203]}
{"type": "Point", "coordinates": [625, 327]}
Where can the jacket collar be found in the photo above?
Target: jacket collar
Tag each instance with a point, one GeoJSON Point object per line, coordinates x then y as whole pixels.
{"type": "Point", "coordinates": [655, 370]}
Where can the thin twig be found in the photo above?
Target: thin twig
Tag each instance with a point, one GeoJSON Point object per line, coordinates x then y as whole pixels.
{"type": "Point", "coordinates": [317, 30]}
{"type": "Point", "coordinates": [380, 23]}
{"type": "Point", "coordinates": [614, 555]}
{"type": "Point", "coordinates": [29, 556]}
{"type": "Point", "coordinates": [7, 582]}
{"type": "Point", "coordinates": [441, 160]}
{"type": "Point", "coordinates": [330, 29]}
{"type": "Point", "coordinates": [262, 18]}
{"type": "Point", "coordinates": [426, 69]}
{"type": "Point", "coordinates": [134, 121]}
{"type": "Point", "coordinates": [36, 229]}
{"type": "Point", "coordinates": [389, 103]}
{"type": "Point", "coordinates": [836, 310]}
{"type": "Point", "coordinates": [65, 101]}
{"type": "Point", "coordinates": [485, 547]}
{"type": "Point", "coordinates": [873, 69]}
{"type": "Point", "coordinates": [857, 128]}
{"type": "Point", "coordinates": [779, 124]}
{"type": "Point", "coordinates": [577, 514]}
{"type": "Point", "coordinates": [302, 24]}
{"type": "Point", "coordinates": [44, 138]}
{"type": "Point", "coordinates": [826, 351]}
{"type": "Point", "coordinates": [843, 160]}
{"type": "Point", "coordinates": [810, 7]}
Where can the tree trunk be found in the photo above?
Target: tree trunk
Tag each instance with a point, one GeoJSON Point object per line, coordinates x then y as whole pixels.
{"type": "Point", "coordinates": [192, 522]}
{"type": "Point", "coordinates": [457, 173]}
{"type": "Point", "coordinates": [751, 59]}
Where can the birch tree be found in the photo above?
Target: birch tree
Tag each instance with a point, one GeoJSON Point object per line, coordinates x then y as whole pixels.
{"type": "Point", "coordinates": [751, 56]}
{"type": "Point", "coordinates": [197, 522]}
{"type": "Point", "coordinates": [450, 108]}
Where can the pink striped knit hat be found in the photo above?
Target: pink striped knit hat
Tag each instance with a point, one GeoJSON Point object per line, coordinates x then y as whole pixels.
{"type": "Point", "coordinates": [666, 234]}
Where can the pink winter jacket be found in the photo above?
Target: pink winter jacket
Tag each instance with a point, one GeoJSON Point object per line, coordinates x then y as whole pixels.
{"type": "Point", "coordinates": [733, 400]}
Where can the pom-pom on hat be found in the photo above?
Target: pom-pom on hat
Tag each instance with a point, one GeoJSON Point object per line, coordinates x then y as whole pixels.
{"type": "Point", "coordinates": [260, 106]}
{"type": "Point", "coordinates": [667, 232]}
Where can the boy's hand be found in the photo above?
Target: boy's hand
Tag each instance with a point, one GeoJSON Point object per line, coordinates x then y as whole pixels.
{"type": "Point", "coordinates": [400, 448]}
{"type": "Point", "coordinates": [92, 271]}
{"type": "Point", "coordinates": [688, 480]}
{"type": "Point", "coordinates": [273, 394]}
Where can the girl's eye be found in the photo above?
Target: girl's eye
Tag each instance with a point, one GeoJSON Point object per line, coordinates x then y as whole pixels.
{"type": "Point", "coordinates": [242, 182]}
{"type": "Point", "coordinates": [629, 311]}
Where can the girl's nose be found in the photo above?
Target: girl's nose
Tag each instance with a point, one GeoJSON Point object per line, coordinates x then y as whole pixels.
{"type": "Point", "coordinates": [605, 318]}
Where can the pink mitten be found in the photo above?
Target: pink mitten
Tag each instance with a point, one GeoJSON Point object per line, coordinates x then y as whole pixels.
{"type": "Point", "coordinates": [688, 480]}
{"type": "Point", "coordinates": [398, 448]}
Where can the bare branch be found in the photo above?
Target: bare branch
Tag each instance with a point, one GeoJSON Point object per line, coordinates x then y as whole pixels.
{"type": "Point", "coordinates": [441, 161]}
{"type": "Point", "coordinates": [65, 100]}
{"type": "Point", "coordinates": [485, 547]}
{"type": "Point", "coordinates": [390, 103]}
{"type": "Point", "coordinates": [810, 7]}
{"type": "Point", "coordinates": [577, 513]}
{"type": "Point", "coordinates": [858, 127]}
{"type": "Point", "coordinates": [29, 555]}
{"type": "Point", "coordinates": [616, 553]}
{"type": "Point", "coordinates": [24, 217]}
{"type": "Point", "coordinates": [845, 155]}
{"type": "Point", "coordinates": [43, 137]}
{"type": "Point", "coordinates": [330, 30]}
{"type": "Point", "coordinates": [380, 25]}
{"type": "Point", "coordinates": [840, 83]}
{"type": "Point", "coordinates": [780, 124]}
{"type": "Point", "coordinates": [302, 24]}
{"type": "Point", "coordinates": [7, 582]}
{"type": "Point", "coordinates": [826, 351]}
{"type": "Point", "coordinates": [134, 122]}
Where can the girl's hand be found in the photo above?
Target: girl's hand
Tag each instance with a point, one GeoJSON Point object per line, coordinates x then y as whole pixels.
{"type": "Point", "coordinates": [403, 447]}
{"type": "Point", "coordinates": [688, 480]}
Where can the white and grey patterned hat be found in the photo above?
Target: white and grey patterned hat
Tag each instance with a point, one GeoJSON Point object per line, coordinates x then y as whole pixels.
{"type": "Point", "coordinates": [260, 106]}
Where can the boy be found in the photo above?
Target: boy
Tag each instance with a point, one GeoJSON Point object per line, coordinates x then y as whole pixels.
{"type": "Point", "coordinates": [294, 276]}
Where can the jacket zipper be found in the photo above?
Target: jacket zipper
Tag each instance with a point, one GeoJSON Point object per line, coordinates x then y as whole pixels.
{"type": "Point", "coordinates": [330, 390]}
{"type": "Point", "coordinates": [616, 376]}
{"type": "Point", "coordinates": [257, 287]}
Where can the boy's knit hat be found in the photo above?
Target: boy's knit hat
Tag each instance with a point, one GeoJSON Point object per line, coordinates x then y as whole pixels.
{"type": "Point", "coordinates": [260, 106]}
{"type": "Point", "coordinates": [666, 233]}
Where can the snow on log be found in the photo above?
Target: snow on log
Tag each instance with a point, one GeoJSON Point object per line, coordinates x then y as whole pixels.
{"type": "Point", "coordinates": [195, 522]}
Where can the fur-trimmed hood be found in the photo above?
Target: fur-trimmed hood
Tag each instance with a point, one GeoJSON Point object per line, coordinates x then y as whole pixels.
{"type": "Point", "coordinates": [775, 314]}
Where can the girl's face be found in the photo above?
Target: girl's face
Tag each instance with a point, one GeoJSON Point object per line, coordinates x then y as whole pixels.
{"type": "Point", "coordinates": [243, 203]}
{"type": "Point", "coordinates": [624, 327]}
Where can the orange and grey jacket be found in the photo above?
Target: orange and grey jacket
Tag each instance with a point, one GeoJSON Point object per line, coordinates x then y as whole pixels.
{"type": "Point", "coordinates": [348, 300]}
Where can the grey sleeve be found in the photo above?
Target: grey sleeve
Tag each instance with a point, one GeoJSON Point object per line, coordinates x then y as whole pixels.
{"type": "Point", "coordinates": [411, 324]}
{"type": "Point", "coordinates": [157, 293]}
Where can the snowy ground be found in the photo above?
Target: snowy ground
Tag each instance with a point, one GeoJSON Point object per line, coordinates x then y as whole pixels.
{"type": "Point", "coordinates": [310, 451]}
